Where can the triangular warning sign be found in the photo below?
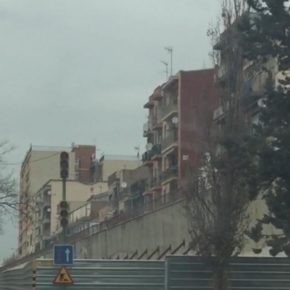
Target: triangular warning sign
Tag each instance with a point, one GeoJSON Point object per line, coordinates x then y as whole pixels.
{"type": "Point", "coordinates": [63, 277]}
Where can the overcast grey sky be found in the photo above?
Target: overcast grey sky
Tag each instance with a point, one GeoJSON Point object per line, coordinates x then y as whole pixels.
{"type": "Point", "coordinates": [81, 70]}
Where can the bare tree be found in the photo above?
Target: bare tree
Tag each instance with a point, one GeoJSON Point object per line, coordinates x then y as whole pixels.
{"type": "Point", "coordinates": [8, 195]}
{"type": "Point", "coordinates": [221, 188]}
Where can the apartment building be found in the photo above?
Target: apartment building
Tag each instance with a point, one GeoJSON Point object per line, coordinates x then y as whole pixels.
{"type": "Point", "coordinates": [46, 224]}
{"type": "Point", "coordinates": [89, 216]}
{"type": "Point", "coordinates": [85, 156]}
{"type": "Point", "coordinates": [126, 188]}
{"type": "Point", "coordinates": [108, 164]}
{"type": "Point", "coordinates": [173, 130]}
{"type": "Point", "coordinates": [40, 165]}
{"type": "Point", "coordinates": [40, 188]}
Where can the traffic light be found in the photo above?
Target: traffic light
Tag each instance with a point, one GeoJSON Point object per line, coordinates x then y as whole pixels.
{"type": "Point", "coordinates": [63, 213]}
{"type": "Point", "coordinates": [64, 158]}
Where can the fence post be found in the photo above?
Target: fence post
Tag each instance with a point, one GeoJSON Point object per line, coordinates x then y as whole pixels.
{"type": "Point", "coordinates": [166, 274]}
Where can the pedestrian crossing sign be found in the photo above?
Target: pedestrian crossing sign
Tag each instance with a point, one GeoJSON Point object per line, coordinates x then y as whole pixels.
{"type": "Point", "coordinates": [63, 277]}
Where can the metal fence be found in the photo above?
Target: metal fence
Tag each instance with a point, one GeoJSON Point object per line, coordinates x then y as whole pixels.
{"type": "Point", "coordinates": [88, 275]}
{"type": "Point", "coordinates": [176, 272]}
{"type": "Point", "coordinates": [245, 273]}
{"type": "Point", "coordinates": [16, 278]}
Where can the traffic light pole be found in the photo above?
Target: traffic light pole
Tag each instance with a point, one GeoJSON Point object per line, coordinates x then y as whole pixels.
{"type": "Point", "coordinates": [64, 199]}
{"type": "Point", "coordinates": [64, 166]}
{"type": "Point", "coordinates": [64, 189]}
{"type": "Point", "coordinates": [63, 206]}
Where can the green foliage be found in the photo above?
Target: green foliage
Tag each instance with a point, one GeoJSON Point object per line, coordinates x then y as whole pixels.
{"type": "Point", "coordinates": [266, 32]}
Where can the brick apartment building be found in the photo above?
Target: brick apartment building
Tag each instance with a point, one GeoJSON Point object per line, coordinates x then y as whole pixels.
{"type": "Point", "coordinates": [174, 130]}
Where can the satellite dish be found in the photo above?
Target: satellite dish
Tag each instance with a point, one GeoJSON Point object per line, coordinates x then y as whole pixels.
{"type": "Point", "coordinates": [261, 103]}
{"type": "Point", "coordinates": [124, 184]}
{"type": "Point", "coordinates": [149, 146]}
{"type": "Point", "coordinates": [174, 120]}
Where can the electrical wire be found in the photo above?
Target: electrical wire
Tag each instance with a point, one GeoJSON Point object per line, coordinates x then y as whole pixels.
{"type": "Point", "coordinates": [32, 161]}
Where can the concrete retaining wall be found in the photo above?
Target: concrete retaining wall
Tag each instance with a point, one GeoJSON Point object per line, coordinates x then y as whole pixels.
{"type": "Point", "coordinates": [162, 228]}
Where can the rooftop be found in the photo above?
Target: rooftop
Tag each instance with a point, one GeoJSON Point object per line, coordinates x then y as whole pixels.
{"type": "Point", "coordinates": [119, 157]}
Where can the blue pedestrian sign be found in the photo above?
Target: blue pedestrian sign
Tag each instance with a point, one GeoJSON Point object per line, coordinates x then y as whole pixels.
{"type": "Point", "coordinates": [63, 255]}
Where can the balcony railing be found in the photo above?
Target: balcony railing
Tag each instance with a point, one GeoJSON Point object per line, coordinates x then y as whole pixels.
{"type": "Point", "coordinates": [46, 219]}
{"type": "Point", "coordinates": [148, 155]}
{"type": "Point", "coordinates": [221, 72]}
{"type": "Point", "coordinates": [156, 150]}
{"type": "Point", "coordinates": [152, 183]}
{"type": "Point", "coordinates": [166, 110]}
{"type": "Point", "coordinates": [156, 121]}
{"type": "Point", "coordinates": [169, 173]}
{"type": "Point", "coordinates": [46, 202]}
{"type": "Point", "coordinates": [155, 182]}
{"type": "Point", "coordinates": [168, 140]}
{"type": "Point", "coordinates": [147, 129]}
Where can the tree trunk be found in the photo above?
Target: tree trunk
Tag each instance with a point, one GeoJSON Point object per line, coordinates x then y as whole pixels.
{"type": "Point", "coordinates": [220, 277]}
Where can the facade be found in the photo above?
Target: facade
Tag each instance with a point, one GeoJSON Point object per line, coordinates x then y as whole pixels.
{"type": "Point", "coordinates": [41, 188]}
{"type": "Point", "coordinates": [108, 164]}
{"type": "Point", "coordinates": [90, 215]}
{"type": "Point", "coordinates": [40, 165]}
{"type": "Point", "coordinates": [46, 224]}
{"type": "Point", "coordinates": [173, 130]}
{"type": "Point", "coordinates": [126, 188]}
{"type": "Point", "coordinates": [84, 160]}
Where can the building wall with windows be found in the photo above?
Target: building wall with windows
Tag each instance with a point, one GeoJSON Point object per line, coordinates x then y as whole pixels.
{"type": "Point", "coordinates": [46, 222]}
{"type": "Point", "coordinates": [126, 188]}
{"type": "Point", "coordinates": [108, 164]}
{"type": "Point", "coordinates": [176, 123]}
{"type": "Point", "coordinates": [41, 164]}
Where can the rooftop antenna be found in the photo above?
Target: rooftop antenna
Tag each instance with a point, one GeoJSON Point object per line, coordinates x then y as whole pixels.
{"type": "Point", "coordinates": [166, 68]}
{"type": "Point", "coordinates": [137, 149]}
{"type": "Point", "coordinates": [170, 51]}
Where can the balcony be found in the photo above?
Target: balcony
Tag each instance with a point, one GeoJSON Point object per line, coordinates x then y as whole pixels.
{"type": "Point", "coordinates": [149, 105]}
{"type": "Point", "coordinates": [153, 184]}
{"type": "Point", "coordinates": [168, 110]}
{"type": "Point", "coordinates": [156, 122]}
{"type": "Point", "coordinates": [221, 72]}
{"type": "Point", "coordinates": [218, 113]}
{"type": "Point", "coordinates": [146, 158]}
{"type": "Point", "coordinates": [147, 129]}
{"type": "Point", "coordinates": [169, 174]}
{"type": "Point", "coordinates": [46, 202]}
{"type": "Point", "coordinates": [138, 188]}
{"type": "Point", "coordinates": [156, 151]}
{"type": "Point", "coordinates": [152, 154]}
{"type": "Point", "coordinates": [46, 219]}
{"type": "Point", "coordinates": [169, 141]}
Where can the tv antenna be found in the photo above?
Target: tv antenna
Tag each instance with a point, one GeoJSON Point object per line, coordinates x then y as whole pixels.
{"type": "Point", "coordinates": [137, 149]}
{"type": "Point", "coordinates": [166, 68]}
{"type": "Point", "coordinates": [170, 51]}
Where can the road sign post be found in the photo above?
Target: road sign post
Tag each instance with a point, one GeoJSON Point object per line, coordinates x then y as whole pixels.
{"type": "Point", "coordinates": [63, 254]}
{"type": "Point", "coordinates": [63, 277]}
